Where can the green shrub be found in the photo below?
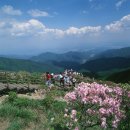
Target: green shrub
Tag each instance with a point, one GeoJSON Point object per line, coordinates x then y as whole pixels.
{"type": "Point", "coordinates": [58, 106]}
{"type": "Point", "coordinates": [15, 125]}
{"type": "Point", "coordinates": [12, 96]}
{"type": "Point", "coordinates": [47, 102]}
{"type": "Point", "coordinates": [59, 127]}
{"type": "Point", "coordinates": [9, 111]}
{"type": "Point", "coordinates": [58, 93]}
{"type": "Point", "coordinates": [24, 102]}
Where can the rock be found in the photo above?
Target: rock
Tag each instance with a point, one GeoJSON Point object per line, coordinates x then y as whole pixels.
{"type": "Point", "coordinates": [3, 88]}
{"type": "Point", "coordinates": [12, 87]}
{"type": "Point", "coordinates": [19, 88]}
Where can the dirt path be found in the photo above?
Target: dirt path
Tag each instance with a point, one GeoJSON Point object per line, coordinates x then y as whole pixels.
{"type": "Point", "coordinates": [3, 124]}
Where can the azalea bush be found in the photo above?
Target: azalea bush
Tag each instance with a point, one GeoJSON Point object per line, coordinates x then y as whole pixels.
{"type": "Point", "coordinates": [125, 123]}
{"type": "Point", "coordinates": [93, 104]}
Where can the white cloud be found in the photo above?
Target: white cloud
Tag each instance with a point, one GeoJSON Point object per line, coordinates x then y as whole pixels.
{"type": "Point", "coordinates": [55, 32]}
{"type": "Point", "coordinates": [119, 3]}
{"type": "Point", "coordinates": [31, 27]}
{"type": "Point", "coordinates": [113, 27]}
{"type": "Point", "coordinates": [38, 13]}
{"type": "Point", "coordinates": [8, 9]}
{"type": "Point", "coordinates": [121, 25]}
{"type": "Point", "coordinates": [83, 30]}
{"type": "Point", "coordinates": [72, 31]}
{"type": "Point", "coordinates": [34, 35]}
{"type": "Point", "coordinates": [35, 28]}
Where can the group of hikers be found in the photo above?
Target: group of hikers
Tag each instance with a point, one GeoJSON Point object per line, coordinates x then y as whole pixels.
{"type": "Point", "coordinates": [67, 78]}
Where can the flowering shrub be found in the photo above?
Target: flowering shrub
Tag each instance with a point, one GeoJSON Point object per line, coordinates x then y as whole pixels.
{"type": "Point", "coordinates": [94, 105]}
{"type": "Point", "coordinates": [125, 123]}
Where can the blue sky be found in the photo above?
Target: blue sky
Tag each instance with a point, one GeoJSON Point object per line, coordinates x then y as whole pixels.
{"type": "Point", "coordinates": [35, 26]}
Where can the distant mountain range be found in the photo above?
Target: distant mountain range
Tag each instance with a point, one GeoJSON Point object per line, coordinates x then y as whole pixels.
{"type": "Point", "coordinates": [72, 56]}
{"type": "Point", "coordinates": [98, 65]}
{"type": "Point", "coordinates": [87, 61]}
{"type": "Point", "coordinates": [122, 52]}
{"type": "Point", "coordinates": [106, 64]}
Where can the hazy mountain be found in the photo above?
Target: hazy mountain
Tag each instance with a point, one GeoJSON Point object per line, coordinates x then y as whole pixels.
{"type": "Point", "coordinates": [105, 61]}
{"type": "Point", "coordinates": [109, 60]}
{"type": "Point", "coordinates": [122, 52]}
{"type": "Point", "coordinates": [106, 64]}
{"type": "Point", "coordinates": [72, 56]}
{"type": "Point", "coordinates": [26, 65]}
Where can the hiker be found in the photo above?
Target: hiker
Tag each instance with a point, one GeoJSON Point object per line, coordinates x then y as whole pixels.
{"type": "Point", "coordinates": [67, 80]}
{"type": "Point", "coordinates": [48, 79]}
{"type": "Point", "coordinates": [52, 78]}
{"type": "Point", "coordinates": [61, 78]}
{"type": "Point", "coordinates": [73, 80]}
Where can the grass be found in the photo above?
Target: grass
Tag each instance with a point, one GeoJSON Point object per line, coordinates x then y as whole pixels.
{"type": "Point", "coordinates": [27, 103]}
{"type": "Point", "coordinates": [26, 114]}
{"type": "Point", "coordinates": [15, 125]}
{"type": "Point", "coordinates": [31, 114]}
{"type": "Point", "coordinates": [10, 111]}
{"type": "Point", "coordinates": [18, 117]}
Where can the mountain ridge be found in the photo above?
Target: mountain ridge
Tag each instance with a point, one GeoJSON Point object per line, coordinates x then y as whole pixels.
{"type": "Point", "coordinates": [73, 56]}
{"type": "Point", "coordinates": [121, 52]}
{"type": "Point", "coordinates": [26, 65]}
{"type": "Point", "coordinates": [104, 64]}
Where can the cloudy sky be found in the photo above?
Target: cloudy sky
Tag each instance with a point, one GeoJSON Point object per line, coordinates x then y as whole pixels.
{"type": "Point", "coordinates": [35, 26]}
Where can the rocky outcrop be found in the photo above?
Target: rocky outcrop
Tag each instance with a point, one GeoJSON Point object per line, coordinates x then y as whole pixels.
{"type": "Point", "coordinates": [18, 88]}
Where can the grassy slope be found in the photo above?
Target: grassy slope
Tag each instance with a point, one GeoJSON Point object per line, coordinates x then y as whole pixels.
{"type": "Point", "coordinates": [26, 65]}
{"type": "Point", "coordinates": [106, 64]}
{"type": "Point", "coordinates": [30, 114]}
{"type": "Point", "coordinates": [120, 77]}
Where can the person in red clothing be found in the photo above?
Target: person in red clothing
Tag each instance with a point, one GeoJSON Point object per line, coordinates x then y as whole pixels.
{"type": "Point", "coordinates": [48, 79]}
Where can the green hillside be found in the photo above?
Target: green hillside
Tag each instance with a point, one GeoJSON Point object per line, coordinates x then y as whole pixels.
{"type": "Point", "coordinates": [106, 64]}
{"type": "Point", "coordinates": [26, 65]}
{"type": "Point", "coordinates": [120, 77]}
